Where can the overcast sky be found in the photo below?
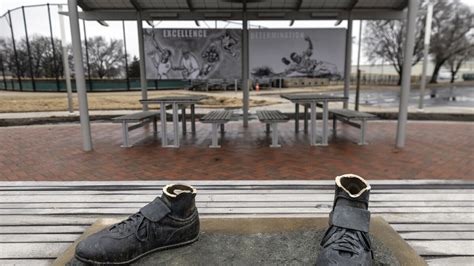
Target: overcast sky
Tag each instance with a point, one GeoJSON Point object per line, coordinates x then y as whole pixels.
{"type": "Point", "coordinates": [37, 21]}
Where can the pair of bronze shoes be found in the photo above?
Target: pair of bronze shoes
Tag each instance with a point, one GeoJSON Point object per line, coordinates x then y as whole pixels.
{"type": "Point", "coordinates": [172, 220]}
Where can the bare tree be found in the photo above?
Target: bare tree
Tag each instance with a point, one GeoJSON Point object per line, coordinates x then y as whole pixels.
{"type": "Point", "coordinates": [105, 58]}
{"type": "Point", "coordinates": [41, 55]}
{"type": "Point", "coordinates": [452, 33]}
{"type": "Point", "coordinates": [385, 39]}
{"type": "Point", "coordinates": [455, 62]}
{"type": "Point", "coordinates": [14, 67]}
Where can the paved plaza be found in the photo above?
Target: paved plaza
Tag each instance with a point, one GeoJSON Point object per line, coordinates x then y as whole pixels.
{"type": "Point", "coordinates": [434, 150]}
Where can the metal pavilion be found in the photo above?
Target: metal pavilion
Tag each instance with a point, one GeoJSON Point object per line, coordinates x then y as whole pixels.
{"type": "Point", "coordinates": [243, 10]}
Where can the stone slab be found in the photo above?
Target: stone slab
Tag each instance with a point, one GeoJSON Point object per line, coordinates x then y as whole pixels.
{"type": "Point", "coordinates": [262, 241]}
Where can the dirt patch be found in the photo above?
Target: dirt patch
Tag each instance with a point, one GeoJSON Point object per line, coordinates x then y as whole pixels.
{"type": "Point", "coordinates": [44, 102]}
{"type": "Point", "coordinates": [231, 102]}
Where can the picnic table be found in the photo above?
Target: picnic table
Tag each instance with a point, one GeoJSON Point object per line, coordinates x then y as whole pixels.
{"type": "Point", "coordinates": [39, 220]}
{"type": "Point", "coordinates": [175, 102]}
{"type": "Point", "coordinates": [312, 99]}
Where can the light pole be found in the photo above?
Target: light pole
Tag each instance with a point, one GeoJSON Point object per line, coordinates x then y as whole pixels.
{"type": "Point", "coordinates": [67, 74]}
{"type": "Point", "coordinates": [358, 68]}
{"type": "Point", "coordinates": [429, 15]}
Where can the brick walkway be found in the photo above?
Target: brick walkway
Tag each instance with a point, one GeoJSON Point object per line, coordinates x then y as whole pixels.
{"type": "Point", "coordinates": [435, 150]}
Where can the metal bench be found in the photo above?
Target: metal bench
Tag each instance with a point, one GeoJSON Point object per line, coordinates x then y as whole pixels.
{"type": "Point", "coordinates": [348, 117]}
{"type": "Point", "coordinates": [142, 118]}
{"type": "Point", "coordinates": [216, 118]}
{"type": "Point", "coordinates": [272, 117]}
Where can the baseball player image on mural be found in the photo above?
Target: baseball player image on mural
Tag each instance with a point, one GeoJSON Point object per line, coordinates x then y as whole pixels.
{"type": "Point", "coordinates": [308, 53]}
{"type": "Point", "coordinates": [192, 53]}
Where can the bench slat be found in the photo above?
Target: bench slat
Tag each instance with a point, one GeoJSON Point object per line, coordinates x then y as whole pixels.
{"type": "Point", "coordinates": [32, 250]}
{"type": "Point", "coordinates": [351, 114]}
{"type": "Point", "coordinates": [450, 261]}
{"type": "Point", "coordinates": [217, 116]}
{"type": "Point", "coordinates": [210, 208]}
{"type": "Point", "coordinates": [442, 247]}
{"type": "Point", "coordinates": [135, 116]}
{"type": "Point", "coordinates": [234, 197]}
{"type": "Point", "coordinates": [271, 116]}
{"type": "Point", "coordinates": [417, 218]}
{"type": "Point", "coordinates": [26, 262]}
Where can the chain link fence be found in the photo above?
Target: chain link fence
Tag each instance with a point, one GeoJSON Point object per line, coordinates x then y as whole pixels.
{"type": "Point", "coordinates": [31, 52]}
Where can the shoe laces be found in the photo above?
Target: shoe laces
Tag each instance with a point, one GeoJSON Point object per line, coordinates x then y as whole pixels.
{"type": "Point", "coordinates": [135, 222]}
{"type": "Point", "coordinates": [347, 241]}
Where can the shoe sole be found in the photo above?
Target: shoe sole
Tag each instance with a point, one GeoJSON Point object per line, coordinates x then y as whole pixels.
{"type": "Point", "coordinates": [139, 256]}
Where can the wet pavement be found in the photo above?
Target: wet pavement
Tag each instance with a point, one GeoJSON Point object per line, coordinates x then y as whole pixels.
{"type": "Point", "coordinates": [460, 97]}
{"type": "Point", "coordinates": [457, 100]}
{"type": "Point", "coordinates": [439, 97]}
{"type": "Point", "coordinates": [434, 150]}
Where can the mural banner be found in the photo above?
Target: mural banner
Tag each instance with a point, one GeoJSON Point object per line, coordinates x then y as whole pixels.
{"type": "Point", "coordinates": [192, 53]}
{"type": "Point", "coordinates": [298, 53]}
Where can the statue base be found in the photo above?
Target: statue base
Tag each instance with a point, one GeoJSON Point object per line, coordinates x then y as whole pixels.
{"type": "Point", "coordinates": [262, 241]}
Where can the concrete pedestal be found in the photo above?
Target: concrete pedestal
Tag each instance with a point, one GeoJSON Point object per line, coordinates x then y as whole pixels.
{"type": "Point", "coordinates": [263, 241]}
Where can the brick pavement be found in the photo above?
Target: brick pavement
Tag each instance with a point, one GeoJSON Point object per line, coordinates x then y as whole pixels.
{"type": "Point", "coordinates": [435, 150]}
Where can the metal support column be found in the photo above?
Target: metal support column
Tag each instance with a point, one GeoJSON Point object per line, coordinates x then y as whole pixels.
{"type": "Point", "coordinates": [347, 62]}
{"type": "Point", "coordinates": [297, 117]}
{"type": "Point", "coordinates": [429, 15]}
{"type": "Point", "coordinates": [175, 126]}
{"type": "Point", "coordinates": [324, 142]}
{"type": "Point", "coordinates": [357, 97]}
{"type": "Point", "coordinates": [245, 65]}
{"type": "Point", "coordinates": [79, 73]}
{"type": "Point", "coordinates": [183, 119]}
{"type": "Point", "coordinates": [30, 58]}
{"type": "Point", "coordinates": [406, 72]}
{"type": "Point", "coordinates": [125, 135]}
{"type": "Point", "coordinates": [275, 136]}
{"type": "Point", "coordinates": [164, 136]}
{"type": "Point", "coordinates": [306, 118]}
{"type": "Point", "coordinates": [87, 55]}
{"type": "Point", "coordinates": [313, 124]}
{"type": "Point", "coordinates": [53, 47]}
{"type": "Point", "coordinates": [214, 136]}
{"type": "Point", "coordinates": [193, 120]}
{"type": "Point", "coordinates": [141, 51]}
{"type": "Point", "coordinates": [363, 126]}
{"type": "Point", "coordinates": [18, 74]}
{"type": "Point", "coordinates": [126, 55]}
{"type": "Point", "coordinates": [67, 74]}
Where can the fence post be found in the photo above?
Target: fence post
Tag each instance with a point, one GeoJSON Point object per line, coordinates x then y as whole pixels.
{"type": "Point", "coordinates": [126, 59]}
{"type": "Point", "coordinates": [15, 51]}
{"type": "Point", "coordinates": [55, 64]}
{"type": "Point", "coordinates": [3, 72]}
{"type": "Point", "coordinates": [30, 59]}
{"type": "Point", "coordinates": [87, 56]}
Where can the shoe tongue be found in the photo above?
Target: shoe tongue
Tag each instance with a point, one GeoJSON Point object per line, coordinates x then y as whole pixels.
{"type": "Point", "coordinates": [155, 210]}
{"type": "Point", "coordinates": [345, 199]}
{"type": "Point", "coordinates": [342, 201]}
